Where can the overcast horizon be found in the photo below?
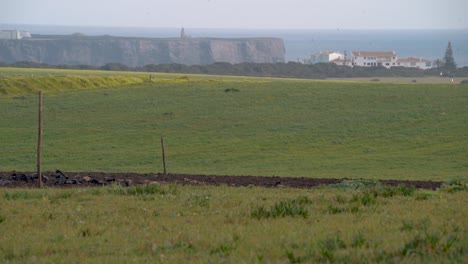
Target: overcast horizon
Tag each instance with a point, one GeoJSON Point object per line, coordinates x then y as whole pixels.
{"type": "Point", "coordinates": [241, 14]}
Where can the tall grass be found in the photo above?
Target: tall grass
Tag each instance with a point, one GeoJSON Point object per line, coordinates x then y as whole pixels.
{"type": "Point", "coordinates": [216, 224]}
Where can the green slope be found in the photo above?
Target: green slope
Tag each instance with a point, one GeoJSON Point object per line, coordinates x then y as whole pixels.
{"type": "Point", "coordinates": [242, 126]}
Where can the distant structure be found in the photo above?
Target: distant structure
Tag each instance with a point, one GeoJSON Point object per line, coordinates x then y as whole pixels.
{"type": "Point", "coordinates": [183, 35]}
{"type": "Point", "coordinates": [326, 56]}
{"type": "Point", "coordinates": [344, 62]}
{"type": "Point", "coordinates": [415, 63]}
{"type": "Point", "coordinates": [14, 34]}
{"type": "Point", "coordinates": [385, 59]}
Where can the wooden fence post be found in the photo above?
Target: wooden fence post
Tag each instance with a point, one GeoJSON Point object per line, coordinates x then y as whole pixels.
{"type": "Point", "coordinates": [39, 142]}
{"type": "Point", "coordinates": [163, 154]}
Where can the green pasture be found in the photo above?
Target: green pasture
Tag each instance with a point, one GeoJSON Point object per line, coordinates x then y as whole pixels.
{"type": "Point", "coordinates": [239, 126]}
{"type": "Point", "coordinates": [353, 222]}
{"type": "Point", "coordinates": [112, 122]}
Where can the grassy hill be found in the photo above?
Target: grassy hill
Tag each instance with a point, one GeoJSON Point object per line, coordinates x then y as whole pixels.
{"type": "Point", "coordinates": [234, 125]}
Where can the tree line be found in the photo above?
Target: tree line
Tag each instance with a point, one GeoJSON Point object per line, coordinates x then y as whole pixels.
{"type": "Point", "coordinates": [282, 70]}
{"type": "Point", "coordinates": [444, 67]}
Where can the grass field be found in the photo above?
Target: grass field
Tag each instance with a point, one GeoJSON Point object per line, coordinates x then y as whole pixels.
{"type": "Point", "coordinates": [406, 80]}
{"type": "Point", "coordinates": [241, 126]}
{"type": "Point", "coordinates": [351, 223]}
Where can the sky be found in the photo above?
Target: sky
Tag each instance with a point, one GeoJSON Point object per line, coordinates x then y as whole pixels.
{"type": "Point", "coordinates": [241, 14]}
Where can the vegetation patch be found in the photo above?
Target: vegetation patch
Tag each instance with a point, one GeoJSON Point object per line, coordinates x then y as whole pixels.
{"type": "Point", "coordinates": [22, 195]}
{"type": "Point", "coordinates": [227, 90]}
{"type": "Point", "coordinates": [293, 208]}
{"type": "Point", "coordinates": [356, 184]}
{"type": "Point", "coordinates": [143, 190]}
{"type": "Point", "coordinates": [23, 85]}
{"type": "Point", "coordinates": [456, 185]}
{"type": "Point", "coordinates": [424, 240]}
{"type": "Point", "coordinates": [225, 249]}
{"type": "Point", "coordinates": [201, 200]}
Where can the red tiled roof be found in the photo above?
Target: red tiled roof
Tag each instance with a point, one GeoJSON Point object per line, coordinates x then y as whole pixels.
{"type": "Point", "coordinates": [374, 53]}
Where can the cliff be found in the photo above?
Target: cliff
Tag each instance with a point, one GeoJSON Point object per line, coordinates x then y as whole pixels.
{"type": "Point", "coordinates": [82, 50]}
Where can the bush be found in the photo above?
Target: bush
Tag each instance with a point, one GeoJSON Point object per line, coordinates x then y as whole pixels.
{"type": "Point", "coordinates": [455, 185]}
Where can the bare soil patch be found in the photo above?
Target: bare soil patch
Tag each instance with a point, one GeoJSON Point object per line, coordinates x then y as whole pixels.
{"type": "Point", "coordinates": [89, 179]}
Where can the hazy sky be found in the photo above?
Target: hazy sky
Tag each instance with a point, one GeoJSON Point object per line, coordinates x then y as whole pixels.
{"type": "Point", "coordinates": [254, 14]}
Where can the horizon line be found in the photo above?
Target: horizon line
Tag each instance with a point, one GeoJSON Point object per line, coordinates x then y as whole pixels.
{"type": "Point", "coordinates": [229, 28]}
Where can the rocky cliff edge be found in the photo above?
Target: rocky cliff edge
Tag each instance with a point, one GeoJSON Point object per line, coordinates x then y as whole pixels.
{"type": "Point", "coordinates": [134, 52]}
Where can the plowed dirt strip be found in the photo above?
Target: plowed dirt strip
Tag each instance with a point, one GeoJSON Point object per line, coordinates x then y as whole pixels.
{"type": "Point", "coordinates": [87, 179]}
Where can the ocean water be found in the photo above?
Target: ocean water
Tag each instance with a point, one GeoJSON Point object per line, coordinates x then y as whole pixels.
{"type": "Point", "coordinates": [300, 44]}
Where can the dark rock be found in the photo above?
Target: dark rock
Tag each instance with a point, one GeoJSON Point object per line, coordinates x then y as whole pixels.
{"type": "Point", "coordinates": [94, 181]}
{"type": "Point", "coordinates": [5, 182]}
{"type": "Point", "coordinates": [127, 183]}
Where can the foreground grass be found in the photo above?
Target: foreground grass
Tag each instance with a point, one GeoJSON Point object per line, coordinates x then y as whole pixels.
{"type": "Point", "coordinates": [245, 126]}
{"type": "Point", "coordinates": [351, 222]}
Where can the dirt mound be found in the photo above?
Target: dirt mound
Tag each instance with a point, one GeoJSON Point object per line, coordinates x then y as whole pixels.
{"type": "Point", "coordinates": [88, 179]}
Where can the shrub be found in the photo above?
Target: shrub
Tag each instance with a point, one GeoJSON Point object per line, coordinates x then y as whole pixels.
{"type": "Point", "coordinates": [390, 191]}
{"type": "Point", "coordinates": [231, 90]}
{"type": "Point", "coordinates": [365, 198]}
{"type": "Point", "coordinates": [327, 247]}
{"type": "Point", "coordinates": [227, 247]}
{"type": "Point", "coordinates": [358, 241]}
{"type": "Point", "coordinates": [455, 185]}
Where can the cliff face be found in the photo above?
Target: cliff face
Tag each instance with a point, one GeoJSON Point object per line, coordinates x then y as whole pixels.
{"type": "Point", "coordinates": [139, 51]}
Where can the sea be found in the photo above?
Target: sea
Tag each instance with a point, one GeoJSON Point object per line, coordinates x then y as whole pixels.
{"type": "Point", "coordinates": [300, 44]}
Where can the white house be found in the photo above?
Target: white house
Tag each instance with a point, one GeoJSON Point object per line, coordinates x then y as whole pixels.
{"type": "Point", "coordinates": [414, 63]}
{"type": "Point", "coordinates": [326, 56]}
{"type": "Point", "coordinates": [386, 59]}
{"type": "Point", "coordinates": [343, 62]}
{"type": "Point", "coordinates": [14, 34]}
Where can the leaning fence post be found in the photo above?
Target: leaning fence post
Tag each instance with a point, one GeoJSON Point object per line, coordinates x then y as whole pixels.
{"type": "Point", "coordinates": [39, 142]}
{"type": "Point", "coordinates": [163, 154]}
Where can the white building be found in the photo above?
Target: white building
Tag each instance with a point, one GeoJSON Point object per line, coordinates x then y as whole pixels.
{"type": "Point", "coordinates": [343, 62]}
{"type": "Point", "coordinates": [414, 63]}
{"type": "Point", "coordinates": [386, 59]}
{"type": "Point", "coordinates": [14, 34]}
{"type": "Point", "coordinates": [326, 56]}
